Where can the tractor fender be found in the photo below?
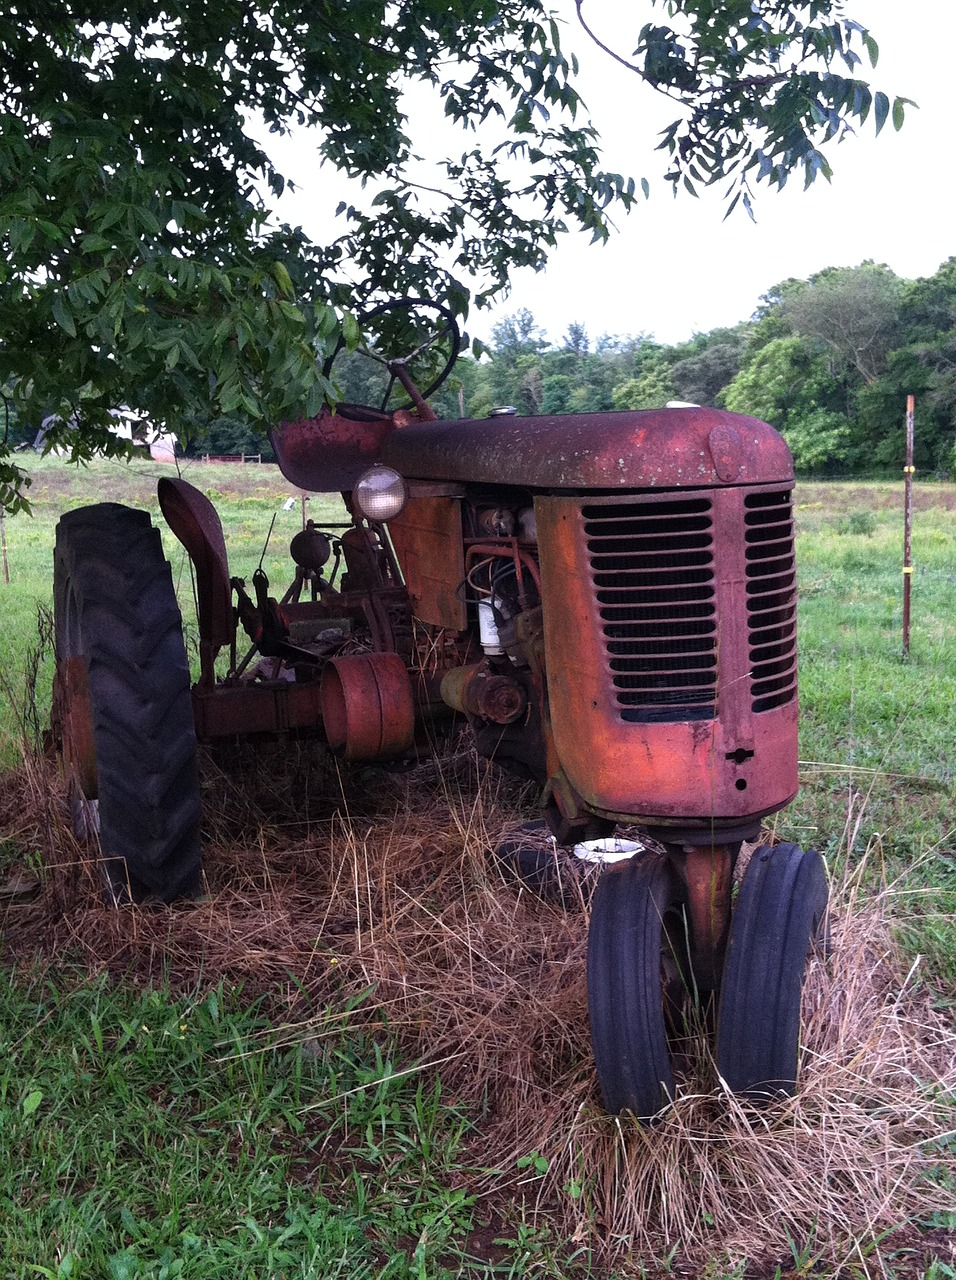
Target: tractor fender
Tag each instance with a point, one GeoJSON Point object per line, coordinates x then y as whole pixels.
{"type": "Point", "coordinates": [195, 522]}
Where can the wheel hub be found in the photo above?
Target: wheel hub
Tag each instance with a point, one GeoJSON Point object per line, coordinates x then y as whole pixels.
{"type": "Point", "coordinates": [73, 716]}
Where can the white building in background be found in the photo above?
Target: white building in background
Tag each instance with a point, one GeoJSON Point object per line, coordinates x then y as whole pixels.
{"type": "Point", "coordinates": [129, 425]}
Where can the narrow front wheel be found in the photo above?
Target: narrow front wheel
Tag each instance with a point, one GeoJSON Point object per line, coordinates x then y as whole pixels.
{"type": "Point", "coordinates": [780, 911]}
{"type": "Point", "coordinates": [638, 964]}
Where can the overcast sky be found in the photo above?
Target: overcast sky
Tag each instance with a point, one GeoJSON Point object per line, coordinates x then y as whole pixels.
{"type": "Point", "coordinates": [674, 267]}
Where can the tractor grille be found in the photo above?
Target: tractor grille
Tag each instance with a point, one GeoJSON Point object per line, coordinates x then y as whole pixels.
{"type": "Point", "coordinates": [771, 599]}
{"type": "Point", "coordinates": [652, 568]}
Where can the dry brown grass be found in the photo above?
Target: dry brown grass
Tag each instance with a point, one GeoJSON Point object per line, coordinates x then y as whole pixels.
{"type": "Point", "coordinates": [390, 890]}
{"type": "Point", "coordinates": [838, 496]}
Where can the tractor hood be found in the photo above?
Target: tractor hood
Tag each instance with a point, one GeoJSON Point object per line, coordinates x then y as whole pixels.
{"type": "Point", "coordinates": [637, 449]}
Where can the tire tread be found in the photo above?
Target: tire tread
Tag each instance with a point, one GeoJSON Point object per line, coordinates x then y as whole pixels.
{"type": "Point", "coordinates": [109, 558]}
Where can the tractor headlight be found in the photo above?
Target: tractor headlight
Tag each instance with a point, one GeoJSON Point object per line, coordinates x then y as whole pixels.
{"type": "Point", "coordinates": [380, 493]}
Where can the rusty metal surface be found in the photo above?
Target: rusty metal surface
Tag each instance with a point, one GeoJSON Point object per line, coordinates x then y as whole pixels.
{"type": "Point", "coordinates": [637, 449]}
{"type": "Point", "coordinates": [234, 710]}
{"type": "Point", "coordinates": [73, 724]}
{"type": "Point", "coordinates": [708, 875]}
{"type": "Point", "coordinates": [478, 691]}
{"type": "Point", "coordinates": [706, 746]}
{"type": "Point", "coordinates": [368, 707]}
{"type": "Point", "coordinates": [328, 453]}
{"type": "Point", "coordinates": [195, 522]}
{"type": "Point", "coordinates": [427, 538]}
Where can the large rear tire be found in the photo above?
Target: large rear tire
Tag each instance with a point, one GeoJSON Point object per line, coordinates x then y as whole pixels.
{"type": "Point", "coordinates": [780, 911]}
{"type": "Point", "coordinates": [123, 681]}
{"type": "Point", "coordinates": [637, 973]}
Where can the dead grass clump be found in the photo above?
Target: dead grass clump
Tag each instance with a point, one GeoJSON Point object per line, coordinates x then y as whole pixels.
{"type": "Point", "coordinates": [392, 896]}
{"type": "Point", "coordinates": [853, 1157]}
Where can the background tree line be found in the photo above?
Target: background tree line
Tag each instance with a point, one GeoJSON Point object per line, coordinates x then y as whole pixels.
{"type": "Point", "coordinates": [829, 361]}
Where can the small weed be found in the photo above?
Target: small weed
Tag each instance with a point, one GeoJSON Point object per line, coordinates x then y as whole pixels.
{"type": "Point", "coordinates": [858, 522]}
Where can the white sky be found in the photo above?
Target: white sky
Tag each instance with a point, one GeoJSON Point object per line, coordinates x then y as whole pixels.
{"type": "Point", "coordinates": [674, 267]}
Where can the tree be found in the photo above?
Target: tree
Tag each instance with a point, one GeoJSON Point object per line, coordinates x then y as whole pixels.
{"type": "Point", "coordinates": [650, 386]}
{"type": "Point", "coordinates": [854, 312]}
{"type": "Point", "coordinates": [772, 382]}
{"type": "Point", "coordinates": [576, 340]}
{"type": "Point", "coordinates": [513, 376]}
{"type": "Point", "coordinates": [139, 261]}
{"type": "Point", "coordinates": [928, 305]}
{"type": "Point", "coordinates": [229, 436]}
{"type": "Point", "coordinates": [700, 377]}
{"type": "Point", "coordinates": [928, 372]}
{"type": "Point", "coordinates": [792, 388]}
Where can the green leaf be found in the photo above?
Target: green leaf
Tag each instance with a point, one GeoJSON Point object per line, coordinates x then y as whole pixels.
{"type": "Point", "coordinates": [881, 109]}
{"type": "Point", "coordinates": [32, 1101]}
{"type": "Point", "coordinates": [62, 315]}
{"type": "Point", "coordinates": [283, 280]}
{"type": "Point", "coordinates": [351, 331]}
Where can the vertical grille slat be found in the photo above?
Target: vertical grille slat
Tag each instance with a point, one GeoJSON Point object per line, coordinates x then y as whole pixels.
{"type": "Point", "coordinates": [653, 576]}
{"type": "Point", "coordinates": [771, 598]}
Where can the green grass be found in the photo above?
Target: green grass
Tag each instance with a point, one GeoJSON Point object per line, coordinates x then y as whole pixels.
{"type": "Point", "coordinates": [147, 1135]}
{"type": "Point", "coordinates": [877, 737]}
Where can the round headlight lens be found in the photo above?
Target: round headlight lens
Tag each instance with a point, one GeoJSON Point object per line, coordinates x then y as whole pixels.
{"type": "Point", "coordinates": [380, 493]}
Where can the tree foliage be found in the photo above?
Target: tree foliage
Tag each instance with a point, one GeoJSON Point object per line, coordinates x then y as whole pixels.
{"type": "Point", "coordinates": [141, 265]}
{"type": "Point", "coordinates": [854, 312]}
{"type": "Point", "coordinates": [699, 378]}
{"type": "Point", "coordinates": [839, 415]}
{"type": "Point", "coordinates": [764, 87]}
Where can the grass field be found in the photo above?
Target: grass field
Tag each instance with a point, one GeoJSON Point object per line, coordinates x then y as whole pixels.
{"type": "Point", "coordinates": [360, 1055]}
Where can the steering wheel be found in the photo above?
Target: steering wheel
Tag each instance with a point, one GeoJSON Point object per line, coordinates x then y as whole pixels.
{"type": "Point", "coordinates": [375, 383]}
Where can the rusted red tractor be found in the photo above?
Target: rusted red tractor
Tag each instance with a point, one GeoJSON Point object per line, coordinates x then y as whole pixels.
{"type": "Point", "coordinates": [608, 599]}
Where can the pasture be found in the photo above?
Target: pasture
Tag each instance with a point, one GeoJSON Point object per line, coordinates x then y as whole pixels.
{"type": "Point", "coordinates": [360, 1054]}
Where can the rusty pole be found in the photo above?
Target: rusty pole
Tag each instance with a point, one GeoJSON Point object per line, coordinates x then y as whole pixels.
{"type": "Point", "coordinates": [908, 526]}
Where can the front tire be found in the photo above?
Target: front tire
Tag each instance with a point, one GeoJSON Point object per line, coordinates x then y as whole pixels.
{"type": "Point", "coordinates": [126, 727]}
{"type": "Point", "coordinates": [638, 964]}
{"type": "Point", "coordinates": [780, 911]}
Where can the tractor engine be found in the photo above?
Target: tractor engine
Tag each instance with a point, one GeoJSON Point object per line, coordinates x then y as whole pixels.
{"type": "Point", "coordinates": [629, 596]}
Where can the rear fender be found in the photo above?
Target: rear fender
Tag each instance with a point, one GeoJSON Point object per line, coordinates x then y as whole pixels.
{"type": "Point", "coordinates": [195, 522]}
